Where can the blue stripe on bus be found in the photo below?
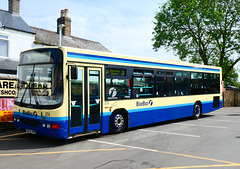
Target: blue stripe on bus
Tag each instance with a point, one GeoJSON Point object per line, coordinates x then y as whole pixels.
{"type": "Point", "coordinates": [157, 108]}
{"type": "Point", "coordinates": [28, 122]}
{"type": "Point", "coordinates": [146, 116]}
{"type": "Point", "coordinates": [138, 62]}
{"type": "Point", "coordinates": [137, 117]}
{"type": "Point", "coordinates": [43, 117]}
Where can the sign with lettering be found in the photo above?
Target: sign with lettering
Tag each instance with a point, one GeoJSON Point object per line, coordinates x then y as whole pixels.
{"type": "Point", "coordinates": [35, 57]}
{"type": "Point", "coordinates": [8, 88]}
{"type": "Point", "coordinates": [115, 72]}
{"type": "Point", "coordinates": [6, 109]}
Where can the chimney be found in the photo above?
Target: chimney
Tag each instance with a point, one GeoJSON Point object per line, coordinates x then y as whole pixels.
{"type": "Point", "coordinates": [13, 6]}
{"type": "Point", "coordinates": [64, 19]}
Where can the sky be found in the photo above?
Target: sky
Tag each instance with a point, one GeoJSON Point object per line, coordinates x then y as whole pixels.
{"type": "Point", "coordinates": [122, 26]}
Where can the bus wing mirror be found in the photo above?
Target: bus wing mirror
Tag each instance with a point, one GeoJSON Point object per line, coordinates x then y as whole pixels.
{"type": "Point", "coordinates": [74, 72]}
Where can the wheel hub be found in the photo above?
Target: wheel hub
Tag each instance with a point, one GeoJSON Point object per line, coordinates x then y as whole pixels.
{"type": "Point", "coordinates": [197, 110]}
{"type": "Point", "coordinates": [118, 121]}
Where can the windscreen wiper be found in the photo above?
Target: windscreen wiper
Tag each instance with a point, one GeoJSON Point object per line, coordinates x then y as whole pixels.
{"type": "Point", "coordinates": [36, 100]}
{"type": "Point", "coordinates": [31, 88]}
{"type": "Point", "coordinates": [28, 86]}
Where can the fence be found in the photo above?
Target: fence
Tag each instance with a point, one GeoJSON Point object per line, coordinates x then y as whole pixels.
{"type": "Point", "coordinates": [231, 97]}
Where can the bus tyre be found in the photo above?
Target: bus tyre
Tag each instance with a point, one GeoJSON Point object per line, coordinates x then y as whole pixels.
{"type": "Point", "coordinates": [118, 122]}
{"type": "Point", "coordinates": [197, 110]}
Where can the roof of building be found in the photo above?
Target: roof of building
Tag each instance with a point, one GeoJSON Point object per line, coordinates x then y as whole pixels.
{"type": "Point", "coordinates": [229, 87]}
{"type": "Point", "coordinates": [8, 66]}
{"type": "Point", "coordinates": [51, 38]}
{"type": "Point", "coordinates": [15, 22]}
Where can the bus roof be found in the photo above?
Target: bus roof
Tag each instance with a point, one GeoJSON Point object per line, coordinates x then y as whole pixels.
{"type": "Point", "coordinates": [118, 59]}
{"type": "Point", "coordinates": [98, 57]}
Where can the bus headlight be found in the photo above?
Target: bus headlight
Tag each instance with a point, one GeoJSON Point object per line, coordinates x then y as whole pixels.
{"type": "Point", "coordinates": [43, 125]}
{"type": "Point", "coordinates": [48, 126]}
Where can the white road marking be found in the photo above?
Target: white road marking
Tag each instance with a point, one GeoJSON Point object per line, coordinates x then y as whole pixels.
{"type": "Point", "coordinates": [196, 125]}
{"type": "Point", "coordinates": [164, 152]}
{"type": "Point", "coordinates": [231, 121]}
{"type": "Point", "coordinates": [115, 144]}
{"type": "Point", "coordinates": [163, 132]}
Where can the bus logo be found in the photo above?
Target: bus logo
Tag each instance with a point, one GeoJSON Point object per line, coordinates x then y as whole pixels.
{"type": "Point", "coordinates": [144, 103]}
{"type": "Point", "coordinates": [28, 113]}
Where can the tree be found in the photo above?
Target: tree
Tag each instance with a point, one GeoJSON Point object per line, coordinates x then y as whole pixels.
{"type": "Point", "coordinates": [201, 31]}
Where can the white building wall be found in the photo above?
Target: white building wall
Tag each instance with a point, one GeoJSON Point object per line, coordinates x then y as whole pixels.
{"type": "Point", "coordinates": [37, 45]}
{"type": "Point", "coordinates": [17, 42]}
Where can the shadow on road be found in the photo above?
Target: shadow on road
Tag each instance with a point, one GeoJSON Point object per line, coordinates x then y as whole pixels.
{"type": "Point", "coordinates": [14, 139]}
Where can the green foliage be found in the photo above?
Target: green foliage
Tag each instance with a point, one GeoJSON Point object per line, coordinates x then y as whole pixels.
{"type": "Point", "coordinates": [232, 78]}
{"type": "Point", "coordinates": [201, 31]}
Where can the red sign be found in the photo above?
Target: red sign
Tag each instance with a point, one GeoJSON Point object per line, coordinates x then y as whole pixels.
{"type": "Point", "coordinates": [6, 109]}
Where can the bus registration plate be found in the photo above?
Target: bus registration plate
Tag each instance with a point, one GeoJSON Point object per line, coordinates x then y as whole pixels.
{"type": "Point", "coordinates": [30, 131]}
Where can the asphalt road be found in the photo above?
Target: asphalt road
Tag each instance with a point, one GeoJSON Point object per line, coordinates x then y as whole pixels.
{"type": "Point", "coordinates": [210, 142]}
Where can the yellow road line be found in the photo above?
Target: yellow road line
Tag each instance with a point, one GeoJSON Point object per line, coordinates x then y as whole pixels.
{"type": "Point", "coordinates": [197, 157]}
{"type": "Point", "coordinates": [11, 139]}
{"type": "Point", "coordinates": [164, 152]}
{"type": "Point", "coordinates": [64, 152]}
{"type": "Point", "coordinates": [201, 166]}
{"type": "Point", "coordinates": [10, 135]}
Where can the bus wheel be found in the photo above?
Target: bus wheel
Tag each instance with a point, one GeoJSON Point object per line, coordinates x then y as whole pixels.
{"type": "Point", "coordinates": [118, 122]}
{"type": "Point", "coordinates": [197, 110]}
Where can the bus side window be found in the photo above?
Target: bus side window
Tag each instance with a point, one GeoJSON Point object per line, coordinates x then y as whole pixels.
{"type": "Point", "coordinates": [143, 86]}
{"type": "Point", "coordinates": [164, 86]}
{"type": "Point", "coordinates": [182, 83]}
{"type": "Point", "coordinates": [197, 83]}
{"type": "Point", "coordinates": [117, 89]}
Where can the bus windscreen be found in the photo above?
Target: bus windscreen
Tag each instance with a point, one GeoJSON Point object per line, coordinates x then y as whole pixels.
{"type": "Point", "coordinates": [39, 83]}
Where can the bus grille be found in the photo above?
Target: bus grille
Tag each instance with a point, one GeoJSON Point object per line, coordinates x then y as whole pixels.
{"type": "Point", "coordinates": [29, 122]}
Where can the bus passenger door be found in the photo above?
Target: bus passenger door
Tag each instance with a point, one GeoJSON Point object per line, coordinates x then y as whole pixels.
{"type": "Point", "coordinates": [85, 100]}
{"type": "Point", "coordinates": [94, 99]}
{"type": "Point", "coordinates": [76, 98]}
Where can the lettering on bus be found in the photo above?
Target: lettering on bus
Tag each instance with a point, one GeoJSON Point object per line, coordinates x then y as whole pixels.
{"type": "Point", "coordinates": [38, 89]}
{"type": "Point", "coordinates": [28, 113]}
{"type": "Point", "coordinates": [144, 103]}
{"type": "Point", "coordinates": [33, 86]}
{"type": "Point", "coordinates": [7, 88]}
{"type": "Point", "coordinates": [115, 72]}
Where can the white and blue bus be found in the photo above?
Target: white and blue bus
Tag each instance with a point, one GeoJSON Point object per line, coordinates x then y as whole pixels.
{"type": "Point", "coordinates": [66, 92]}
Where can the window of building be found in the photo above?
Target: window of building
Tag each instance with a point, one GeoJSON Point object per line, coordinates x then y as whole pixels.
{"type": "Point", "coordinates": [4, 45]}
